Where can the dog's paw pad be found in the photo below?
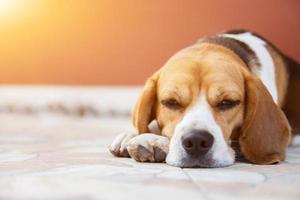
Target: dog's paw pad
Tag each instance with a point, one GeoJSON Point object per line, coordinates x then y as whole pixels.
{"type": "Point", "coordinates": [148, 148]}
{"type": "Point", "coordinates": [119, 146]}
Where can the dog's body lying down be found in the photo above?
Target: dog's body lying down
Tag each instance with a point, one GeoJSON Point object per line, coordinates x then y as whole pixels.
{"type": "Point", "coordinates": [225, 88]}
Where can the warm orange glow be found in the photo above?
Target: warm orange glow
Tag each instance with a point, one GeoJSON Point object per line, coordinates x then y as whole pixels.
{"type": "Point", "coordinates": [15, 11]}
{"type": "Point", "coordinates": [123, 42]}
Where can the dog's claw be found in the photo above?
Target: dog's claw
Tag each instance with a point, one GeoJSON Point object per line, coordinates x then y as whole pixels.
{"type": "Point", "coordinates": [119, 145]}
{"type": "Point", "coordinates": [148, 148]}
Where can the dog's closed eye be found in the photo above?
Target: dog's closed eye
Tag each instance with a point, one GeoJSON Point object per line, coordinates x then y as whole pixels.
{"type": "Point", "coordinates": [227, 104]}
{"type": "Point", "coordinates": [171, 104]}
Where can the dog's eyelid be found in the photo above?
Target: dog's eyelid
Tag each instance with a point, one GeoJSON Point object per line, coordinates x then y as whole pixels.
{"type": "Point", "coordinates": [181, 95]}
{"type": "Point", "coordinates": [171, 103]}
{"type": "Point", "coordinates": [228, 95]}
{"type": "Point", "coordinates": [173, 97]}
{"type": "Point", "coordinates": [226, 104]}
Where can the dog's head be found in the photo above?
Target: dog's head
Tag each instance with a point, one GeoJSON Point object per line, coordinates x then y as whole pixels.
{"type": "Point", "coordinates": [203, 98]}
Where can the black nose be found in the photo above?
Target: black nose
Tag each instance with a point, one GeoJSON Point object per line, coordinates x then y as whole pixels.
{"type": "Point", "coordinates": [197, 143]}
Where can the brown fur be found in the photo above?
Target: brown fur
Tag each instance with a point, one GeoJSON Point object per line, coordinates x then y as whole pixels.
{"type": "Point", "coordinates": [291, 106]}
{"type": "Point", "coordinates": [144, 108]}
{"type": "Point", "coordinates": [265, 132]}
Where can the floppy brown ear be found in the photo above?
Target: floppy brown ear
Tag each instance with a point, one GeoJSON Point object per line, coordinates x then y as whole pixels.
{"type": "Point", "coordinates": [144, 110]}
{"type": "Point", "coordinates": [265, 133]}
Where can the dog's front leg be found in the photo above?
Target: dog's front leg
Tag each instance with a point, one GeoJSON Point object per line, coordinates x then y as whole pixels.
{"type": "Point", "coordinates": [147, 147]}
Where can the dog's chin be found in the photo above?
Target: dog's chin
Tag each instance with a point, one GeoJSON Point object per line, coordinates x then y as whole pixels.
{"type": "Point", "coordinates": [192, 162]}
{"type": "Point", "coordinates": [187, 163]}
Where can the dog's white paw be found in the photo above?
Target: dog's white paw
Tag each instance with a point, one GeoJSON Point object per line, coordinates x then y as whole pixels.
{"type": "Point", "coordinates": [148, 147]}
{"type": "Point", "coordinates": [119, 146]}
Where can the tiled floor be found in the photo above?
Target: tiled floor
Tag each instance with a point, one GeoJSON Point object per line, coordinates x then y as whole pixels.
{"type": "Point", "coordinates": [55, 157]}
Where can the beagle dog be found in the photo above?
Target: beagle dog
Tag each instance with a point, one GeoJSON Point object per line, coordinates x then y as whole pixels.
{"type": "Point", "coordinates": [217, 100]}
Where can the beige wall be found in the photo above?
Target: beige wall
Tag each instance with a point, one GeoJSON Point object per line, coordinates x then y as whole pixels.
{"type": "Point", "coordinates": [123, 42]}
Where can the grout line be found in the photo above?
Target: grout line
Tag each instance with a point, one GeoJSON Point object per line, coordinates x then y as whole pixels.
{"type": "Point", "coordinates": [202, 192]}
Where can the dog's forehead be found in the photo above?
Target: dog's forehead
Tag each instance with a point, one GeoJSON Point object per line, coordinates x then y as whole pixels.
{"type": "Point", "coordinates": [179, 76]}
{"type": "Point", "coordinates": [181, 72]}
{"type": "Point", "coordinates": [184, 67]}
{"type": "Point", "coordinates": [183, 75]}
